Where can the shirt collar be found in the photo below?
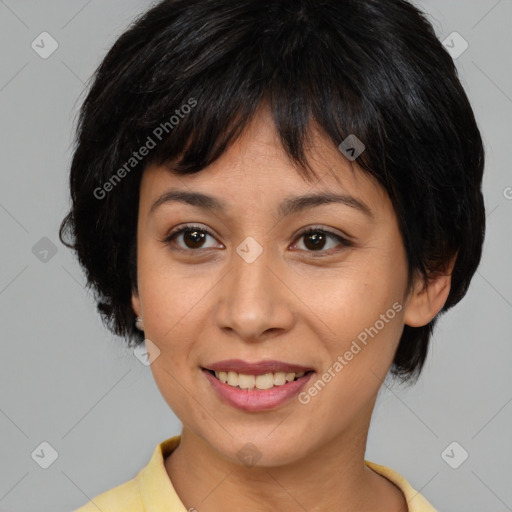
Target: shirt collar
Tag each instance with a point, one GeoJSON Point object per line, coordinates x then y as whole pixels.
{"type": "Point", "coordinates": [158, 493]}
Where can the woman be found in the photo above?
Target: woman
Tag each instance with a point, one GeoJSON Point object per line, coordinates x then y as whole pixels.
{"type": "Point", "coordinates": [275, 201]}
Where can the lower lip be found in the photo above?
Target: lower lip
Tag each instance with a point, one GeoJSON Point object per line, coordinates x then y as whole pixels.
{"type": "Point", "coordinates": [255, 400]}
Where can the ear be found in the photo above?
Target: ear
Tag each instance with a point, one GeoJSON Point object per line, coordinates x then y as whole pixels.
{"type": "Point", "coordinates": [428, 298]}
{"type": "Point", "coordinates": [136, 303]}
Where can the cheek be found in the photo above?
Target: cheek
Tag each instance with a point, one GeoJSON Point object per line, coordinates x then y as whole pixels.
{"type": "Point", "coordinates": [175, 303]}
{"type": "Point", "coordinates": [357, 363]}
{"type": "Point", "coordinates": [178, 390]}
{"type": "Point", "coordinates": [362, 320]}
{"type": "Point", "coordinates": [348, 302]}
{"type": "Point", "coordinates": [172, 297]}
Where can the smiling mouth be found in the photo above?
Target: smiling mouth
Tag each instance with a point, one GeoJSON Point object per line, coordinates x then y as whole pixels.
{"type": "Point", "coordinates": [257, 382]}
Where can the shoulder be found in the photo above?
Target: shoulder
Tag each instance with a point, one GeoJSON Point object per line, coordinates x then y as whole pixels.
{"type": "Point", "coordinates": [151, 489]}
{"type": "Point", "coordinates": [415, 501]}
{"type": "Point", "coordinates": [123, 498]}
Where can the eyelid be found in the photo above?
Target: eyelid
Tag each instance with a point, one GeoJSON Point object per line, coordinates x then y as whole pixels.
{"type": "Point", "coordinates": [328, 231]}
{"type": "Point", "coordinates": [343, 239]}
{"type": "Point", "coordinates": [178, 230]}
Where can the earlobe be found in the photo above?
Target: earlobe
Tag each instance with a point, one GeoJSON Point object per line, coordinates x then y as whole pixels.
{"type": "Point", "coordinates": [428, 297]}
{"type": "Point", "coordinates": [136, 304]}
{"type": "Point", "coordinates": [139, 324]}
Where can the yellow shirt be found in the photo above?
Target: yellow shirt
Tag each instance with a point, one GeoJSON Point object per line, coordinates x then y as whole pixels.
{"type": "Point", "coordinates": [152, 491]}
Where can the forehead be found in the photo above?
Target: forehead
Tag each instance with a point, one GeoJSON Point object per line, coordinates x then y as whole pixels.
{"type": "Point", "coordinates": [256, 169]}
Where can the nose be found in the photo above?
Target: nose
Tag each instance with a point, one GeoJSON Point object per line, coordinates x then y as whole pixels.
{"type": "Point", "coordinates": [254, 301]}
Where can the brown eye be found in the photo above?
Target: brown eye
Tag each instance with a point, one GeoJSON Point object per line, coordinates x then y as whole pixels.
{"type": "Point", "coordinates": [190, 238]}
{"type": "Point", "coordinates": [315, 241]}
{"type": "Point", "coordinates": [320, 241]}
{"type": "Point", "coordinates": [193, 239]}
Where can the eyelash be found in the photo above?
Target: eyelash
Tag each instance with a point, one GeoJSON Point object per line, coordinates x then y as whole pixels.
{"type": "Point", "coordinates": [305, 232]}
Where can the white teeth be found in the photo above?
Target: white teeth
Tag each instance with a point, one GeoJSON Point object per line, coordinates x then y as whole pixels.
{"type": "Point", "coordinates": [279, 379]}
{"type": "Point", "coordinates": [233, 379]}
{"type": "Point", "coordinates": [265, 381]}
{"type": "Point", "coordinates": [246, 381]}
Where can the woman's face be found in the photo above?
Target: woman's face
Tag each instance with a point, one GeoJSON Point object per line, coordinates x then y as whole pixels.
{"type": "Point", "coordinates": [244, 284]}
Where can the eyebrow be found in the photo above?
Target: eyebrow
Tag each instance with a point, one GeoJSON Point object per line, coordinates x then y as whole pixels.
{"type": "Point", "coordinates": [289, 206]}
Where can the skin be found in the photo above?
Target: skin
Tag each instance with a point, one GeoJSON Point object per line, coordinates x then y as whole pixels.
{"type": "Point", "coordinates": [207, 304]}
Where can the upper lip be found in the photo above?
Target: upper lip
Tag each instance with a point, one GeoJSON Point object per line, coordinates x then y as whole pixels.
{"type": "Point", "coordinates": [257, 368]}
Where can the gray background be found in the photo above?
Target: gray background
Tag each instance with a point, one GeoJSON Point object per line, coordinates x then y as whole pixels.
{"type": "Point", "coordinates": [67, 381]}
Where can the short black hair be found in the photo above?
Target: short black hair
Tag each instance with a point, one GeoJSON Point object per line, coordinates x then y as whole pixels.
{"type": "Point", "coordinates": [371, 68]}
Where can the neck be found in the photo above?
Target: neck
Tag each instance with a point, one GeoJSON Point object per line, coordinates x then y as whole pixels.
{"type": "Point", "coordinates": [334, 477]}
